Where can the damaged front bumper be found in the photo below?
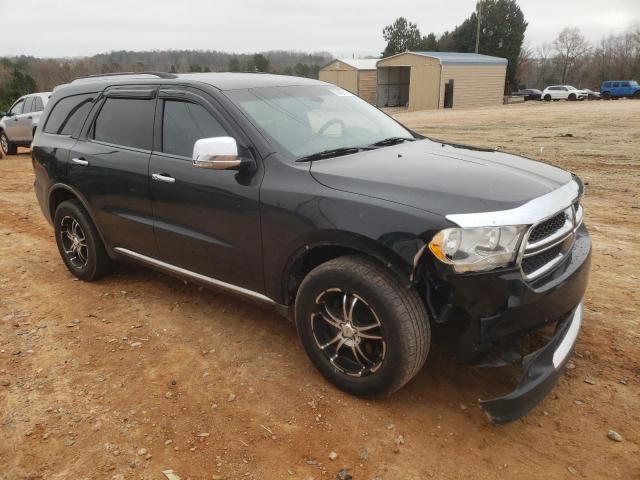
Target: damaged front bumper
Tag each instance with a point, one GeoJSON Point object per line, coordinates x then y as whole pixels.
{"type": "Point", "coordinates": [542, 369]}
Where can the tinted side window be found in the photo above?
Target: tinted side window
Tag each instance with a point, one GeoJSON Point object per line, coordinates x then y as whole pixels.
{"type": "Point", "coordinates": [17, 108]}
{"type": "Point", "coordinates": [616, 84]}
{"type": "Point", "coordinates": [38, 106]}
{"type": "Point", "coordinates": [625, 84]}
{"type": "Point", "coordinates": [183, 123]}
{"type": "Point", "coordinates": [126, 121]}
{"type": "Point", "coordinates": [68, 114]}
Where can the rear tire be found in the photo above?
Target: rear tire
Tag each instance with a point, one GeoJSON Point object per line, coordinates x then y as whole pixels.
{"type": "Point", "coordinates": [79, 242]}
{"type": "Point", "coordinates": [7, 147]}
{"type": "Point", "coordinates": [365, 331]}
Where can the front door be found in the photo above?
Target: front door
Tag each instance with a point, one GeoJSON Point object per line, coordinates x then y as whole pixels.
{"type": "Point", "coordinates": [206, 221]}
{"type": "Point", "coordinates": [12, 123]}
{"type": "Point", "coordinates": [110, 167]}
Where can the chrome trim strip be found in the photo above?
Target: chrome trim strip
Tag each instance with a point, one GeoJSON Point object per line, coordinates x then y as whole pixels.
{"type": "Point", "coordinates": [529, 213]}
{"type": "Point", "coordinates": [545, 268]}
{"type": "Point", "coordinates": [194, 275]}
{"type": "Point", "coordinates": [530, 253]}
{"type": "Point", "coordinates": [569, 339]}
{"type": "Point", "coordinates": [562, 232]}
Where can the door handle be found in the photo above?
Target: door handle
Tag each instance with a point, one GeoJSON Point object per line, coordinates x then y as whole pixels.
{"type": "Point", "coordinates": [161, 177]}
{"type": "Point", "coordinates": [80, 161]}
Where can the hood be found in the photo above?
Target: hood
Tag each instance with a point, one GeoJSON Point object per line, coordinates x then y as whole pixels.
{"type": "Point", "coordinates": [441, 178]}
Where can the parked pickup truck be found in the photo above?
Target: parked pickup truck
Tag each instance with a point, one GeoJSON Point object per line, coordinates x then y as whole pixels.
{"type": "Point", "coordinates": [300, 195]}
{"type": "Point", "coordinates": [619, 89]}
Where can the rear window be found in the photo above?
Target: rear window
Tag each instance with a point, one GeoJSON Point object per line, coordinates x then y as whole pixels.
{"type": "Point", "coordinates": [38, 106]}
{"type": "Point", "coordinates": [68, 114]}
{"type": "Point", "coordinates": [126, 121]}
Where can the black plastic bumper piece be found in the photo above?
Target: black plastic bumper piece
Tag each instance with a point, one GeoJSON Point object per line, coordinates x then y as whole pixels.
{"type": "Point", "coordinates": [542, 370]}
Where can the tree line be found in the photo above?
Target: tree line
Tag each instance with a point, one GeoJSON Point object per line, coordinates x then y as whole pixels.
{"type": "Point", "coordinates": [25, 74]}
{"type": "Point", "coordinates": [571, 59]}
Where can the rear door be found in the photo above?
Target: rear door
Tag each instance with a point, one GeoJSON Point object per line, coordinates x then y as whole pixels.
{"type": "Point", "coordinates": [23, 123]}
{"type": "Point", "coordinates": [206, 221]}
{"type": "Point", "coordinates": [110, 166]}
{"type": "Point", "coordinates": [615, 89]}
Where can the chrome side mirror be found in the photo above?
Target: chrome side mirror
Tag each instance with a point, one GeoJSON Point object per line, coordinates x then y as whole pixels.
{"type": "Point", "coordinates": [216, 153]}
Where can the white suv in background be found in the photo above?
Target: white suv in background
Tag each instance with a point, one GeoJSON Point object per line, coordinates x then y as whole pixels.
{"type": "Point", "coordinates": [18, 125]}
{"type": "Point", "coordinates": [563, 92]}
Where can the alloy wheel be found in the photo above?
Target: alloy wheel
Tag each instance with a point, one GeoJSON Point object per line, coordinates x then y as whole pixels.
{"type": "Point", "coordinates": [74, 242]}
{"type": "Point", "coordinates": [348, 332]}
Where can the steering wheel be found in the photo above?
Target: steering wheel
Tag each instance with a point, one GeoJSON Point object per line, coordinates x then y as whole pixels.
{"type": "Point", "coordinates": [331, 122]}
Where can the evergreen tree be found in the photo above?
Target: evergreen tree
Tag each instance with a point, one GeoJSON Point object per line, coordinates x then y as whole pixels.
{"type": "Point", "coordinates": [502, 28]}
{"type": "Point", "coordinates": [260, 62]}
{"type": "Point", "coordinates": [401, 36]}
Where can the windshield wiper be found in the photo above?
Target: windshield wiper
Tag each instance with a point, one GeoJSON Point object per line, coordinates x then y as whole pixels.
{"type": "Point", "coordinates": [334, 152]}
{"type": "Point", "coordinates": [392, 141]}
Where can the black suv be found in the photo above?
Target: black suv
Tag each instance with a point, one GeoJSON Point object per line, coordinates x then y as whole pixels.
{"type": "Point", "coordinates": [298, 194]}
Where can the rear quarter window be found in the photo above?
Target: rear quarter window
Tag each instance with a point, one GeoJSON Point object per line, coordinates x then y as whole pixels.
{"type": "Point", "coordinates": [68, 114]}
{"type": "Point", "coordinates": [126, 121]}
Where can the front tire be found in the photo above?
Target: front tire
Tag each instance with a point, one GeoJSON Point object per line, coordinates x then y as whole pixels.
{"type": "Point", "coordinates": [367, 333]}
{"type": "Point", "coordinates": [7, 147]}
{"type": "Point", "coordinates": [547, 98]}
{"type": "Point", "coordinates": [572, 97]}
{"type": "Point", "coordinates": [79, 243]}
{"type": "Point", "coordinates": [606, 95]}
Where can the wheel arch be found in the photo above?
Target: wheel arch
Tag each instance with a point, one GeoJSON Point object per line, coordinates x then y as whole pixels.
{"type": "Point", "coordinates": [61, 192]}
{"type": "Point", "coordinates": [310, 255]}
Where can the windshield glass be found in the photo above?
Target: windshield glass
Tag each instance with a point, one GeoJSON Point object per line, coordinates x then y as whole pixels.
{"type": "Point", "coordinates": [305, 120]}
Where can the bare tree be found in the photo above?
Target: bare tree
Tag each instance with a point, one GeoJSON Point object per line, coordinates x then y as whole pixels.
{"type": "Point", "coordinates": [570, 46]}
{"type": "Point", "coordinates": [544, 59]}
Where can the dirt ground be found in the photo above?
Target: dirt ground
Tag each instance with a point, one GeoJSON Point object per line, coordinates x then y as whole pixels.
{"type": "Point", "coordinates": [140, 372]}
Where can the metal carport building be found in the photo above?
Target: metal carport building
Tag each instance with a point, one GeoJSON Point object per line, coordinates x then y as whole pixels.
{"type": "Point", "coordinates": [430, 80]}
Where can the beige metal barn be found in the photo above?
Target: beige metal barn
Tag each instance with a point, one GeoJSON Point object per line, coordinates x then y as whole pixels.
{"type": "Point", "coordinates": [430, 80]}
{"type": "Point", "coordinates": [357, 75]}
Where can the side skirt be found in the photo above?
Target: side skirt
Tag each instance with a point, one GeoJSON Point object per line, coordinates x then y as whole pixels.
{"type": "Point", "coordinates": [283, 310]}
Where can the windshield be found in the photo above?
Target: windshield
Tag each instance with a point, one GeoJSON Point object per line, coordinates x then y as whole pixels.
{"type": "Point", "coordinates": [305, 120]}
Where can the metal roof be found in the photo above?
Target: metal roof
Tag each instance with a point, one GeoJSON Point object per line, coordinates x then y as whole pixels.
{"type": "Point", "coordinates": [360, 63]}
{"type": "Point", "coordinates": [447, 58]}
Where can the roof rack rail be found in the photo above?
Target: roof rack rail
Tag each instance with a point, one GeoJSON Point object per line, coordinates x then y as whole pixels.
{"type": "Point", "coordinates": [116, 74]}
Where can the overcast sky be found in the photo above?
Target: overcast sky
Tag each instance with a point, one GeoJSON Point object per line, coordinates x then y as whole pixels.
{"type": "Point", "coordinates": [57, 28]}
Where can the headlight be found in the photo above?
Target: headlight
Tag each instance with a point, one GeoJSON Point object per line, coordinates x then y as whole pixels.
{"type": "Point", "coordinates": [477, 249]}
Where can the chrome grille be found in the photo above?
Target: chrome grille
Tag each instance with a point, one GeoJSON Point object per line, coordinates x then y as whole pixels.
{"type": "Point", "coordinates": [548, 227]}
{"type": "Point", "coordinates": [548, 241]}
{"type": "Point", "coordinates": [531, 264]}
